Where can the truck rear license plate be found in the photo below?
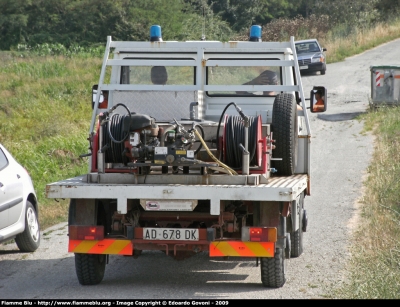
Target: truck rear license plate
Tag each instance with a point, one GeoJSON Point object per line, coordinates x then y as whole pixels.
{"type": "Point", "coordinates": [181, 234]}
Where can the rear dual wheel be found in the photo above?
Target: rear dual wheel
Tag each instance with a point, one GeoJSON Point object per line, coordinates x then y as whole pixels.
{"type": "Point", "coordinates": [273, 270]}
{"type": "Point", "coordinates": [90, 268]}
{"type": "Point", "coordinates": [297, 235]}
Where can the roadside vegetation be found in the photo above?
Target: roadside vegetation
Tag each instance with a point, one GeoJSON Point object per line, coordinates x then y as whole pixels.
{"type": "Point", "coordinates": [374, 267]}
{"type": "Point", "coordinates": [45, 112]}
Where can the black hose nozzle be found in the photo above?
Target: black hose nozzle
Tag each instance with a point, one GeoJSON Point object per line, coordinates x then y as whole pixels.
{"type": "Point", "coordinates": [243, 116]}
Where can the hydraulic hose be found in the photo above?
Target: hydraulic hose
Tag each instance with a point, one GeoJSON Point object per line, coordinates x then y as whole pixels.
{"type": "Point", "coordinates": [130, 119]}
{"type": "Point", "coordinates": [202, 135]}
{"type": "Point", "coordinates": [220, 120]}
{"type": "Point", "coordinates": [226, 167]}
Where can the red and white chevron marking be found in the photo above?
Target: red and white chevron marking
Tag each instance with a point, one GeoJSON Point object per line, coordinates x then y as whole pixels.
{"type": "Point", "coordinates": [378, 78]}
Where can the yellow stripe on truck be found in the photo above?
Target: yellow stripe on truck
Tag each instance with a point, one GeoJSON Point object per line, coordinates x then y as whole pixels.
{"type": "Point", "coordinates": [106, 246]}
{"type": "Point", "coordinates": [241, 249]}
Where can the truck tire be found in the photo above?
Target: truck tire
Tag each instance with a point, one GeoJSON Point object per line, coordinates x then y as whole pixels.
{"type": "Point", "coordinates": [273, 270]}
{"type": "Point", "coordinates": [285, 134]}
{"type": "Point", "coordinates": [297, 235]}
{"type": "Point", "coordinates": [29, 240]}
{"type": "Point", "coordinates": [90, 268]}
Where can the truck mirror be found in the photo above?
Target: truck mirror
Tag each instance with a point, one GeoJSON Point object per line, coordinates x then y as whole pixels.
{"type": "Point", "coordinates": [318, 99]}
{"type": "Point", "coordinates": [94, 93]}
{"type": "Point", "coordinates": [103, 101]}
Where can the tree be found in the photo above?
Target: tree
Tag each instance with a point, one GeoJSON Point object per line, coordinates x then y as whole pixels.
{"type": "Point", "coordinates": [91, 21]}
{"type": "Point", "coordinates": [347, 12]}
{"type": "Point", "coordinates": [13, 22]}
{"type": "Point", "coordinates": [206, 26]}
{"type": "Point", "coordinates": [241, 14]}
{"type": "Point", "coordinates": [87, 22]}
{"type": "Point", "coordinates": [388, 8]}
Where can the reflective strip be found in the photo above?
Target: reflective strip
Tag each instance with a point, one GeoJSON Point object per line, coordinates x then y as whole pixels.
{"type": "Point", "coordinates": [242, 249]}
{"type": "Point", "coordinates": [378, 78]}
{"type": "Point", "coordinates": [106, 246]}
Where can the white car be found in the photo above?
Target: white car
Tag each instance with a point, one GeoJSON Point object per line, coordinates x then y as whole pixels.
{"type": "Point", "coordinates": [18, 204]}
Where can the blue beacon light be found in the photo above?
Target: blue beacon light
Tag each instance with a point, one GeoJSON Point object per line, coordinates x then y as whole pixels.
{"type": "Point", "coordinates": [255, 34]}
{"type": "Point", "coordinates": [155, 33]}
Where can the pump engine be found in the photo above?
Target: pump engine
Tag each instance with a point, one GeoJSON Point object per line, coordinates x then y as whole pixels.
{"type": "Point", "coordinates": [137, 140]}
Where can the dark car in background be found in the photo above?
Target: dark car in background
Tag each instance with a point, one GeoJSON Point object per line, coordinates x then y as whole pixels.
{"type": "Point", "coordinates": [311, 56]}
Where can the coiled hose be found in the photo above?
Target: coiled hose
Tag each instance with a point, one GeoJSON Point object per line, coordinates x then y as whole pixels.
{"type": "Point", "coordinates": [235, 135]}
{"type": "Point", "coordinates": [111, 133]}
{"type": "Point", "coordinates": [113, 137]}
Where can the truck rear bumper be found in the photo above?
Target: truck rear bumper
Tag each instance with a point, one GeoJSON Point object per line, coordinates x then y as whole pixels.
{"type": "Point", "coordinates": [105, 246]}
{"type": "Point", "coordinates": [241, 249]}
{"type": "Point", "coordinates": [215, 249]}
{"type": "Point", "coordinates": [206, 242]}
{"type": "Point", "coordinates": [283, 189]}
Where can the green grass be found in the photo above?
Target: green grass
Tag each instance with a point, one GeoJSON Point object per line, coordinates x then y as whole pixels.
{"type": "Point", "coordinates": [357, 41]}
{"type": "Point", "coordinates": [45, 112]}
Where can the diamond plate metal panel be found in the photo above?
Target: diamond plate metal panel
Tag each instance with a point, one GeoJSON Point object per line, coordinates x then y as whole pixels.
{"type": "Point", "coordinates": [162, 105]}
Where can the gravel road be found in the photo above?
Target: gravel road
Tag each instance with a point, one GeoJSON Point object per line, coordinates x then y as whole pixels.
{"type": "Point", "coordinates": [340, 156]}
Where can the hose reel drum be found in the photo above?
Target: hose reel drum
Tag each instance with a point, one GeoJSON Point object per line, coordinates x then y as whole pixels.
{"type": "Point", "coordinates": [234, 134]}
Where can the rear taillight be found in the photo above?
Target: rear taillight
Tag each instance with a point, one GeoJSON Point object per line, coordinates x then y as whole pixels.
{"type": "Point", "coordinates": [86, 232]}
{"type": "Point", "coordinates": [256, 234]}
{"type": "Point", "coordinates": [259, 234]}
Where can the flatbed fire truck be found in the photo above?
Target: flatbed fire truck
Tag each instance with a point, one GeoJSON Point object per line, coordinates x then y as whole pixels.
{"type": "Point", "coordinates": [203, 157]}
